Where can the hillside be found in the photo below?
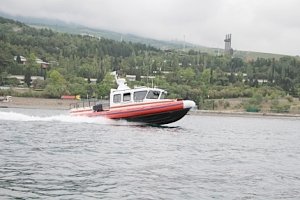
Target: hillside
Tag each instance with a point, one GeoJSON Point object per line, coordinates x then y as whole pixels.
{"type": "Point", "coordinates": [61, 26]}
{"type": "Point", "coordinates": [73, 64]}
{"type": "Point", "coordinates": [77, 29]}
{"type": "Point", "coordinates": [72, 28]}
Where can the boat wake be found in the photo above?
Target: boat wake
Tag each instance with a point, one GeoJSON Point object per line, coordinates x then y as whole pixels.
{"type": "Point", "coordinates": [14, 116]}
{"type": "Point", "coordinates": [65, 118]}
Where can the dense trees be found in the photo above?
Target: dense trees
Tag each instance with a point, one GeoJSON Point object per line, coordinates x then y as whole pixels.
{"type": "Point", "coordinates": [75, 60]}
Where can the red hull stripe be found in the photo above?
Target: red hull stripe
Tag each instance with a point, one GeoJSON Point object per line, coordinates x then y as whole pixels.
{"type": "Point", "coordinates": [127, 105]}
{"type": "Point", "coordinates": [145, 111]}
{"type": "Point", "coordinates": [134, 112]}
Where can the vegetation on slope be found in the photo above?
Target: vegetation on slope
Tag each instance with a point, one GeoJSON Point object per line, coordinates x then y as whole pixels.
{"type": "Point", "coordinates": [73, 61]}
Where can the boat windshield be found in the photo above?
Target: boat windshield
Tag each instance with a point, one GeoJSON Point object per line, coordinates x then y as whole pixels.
{"type": "Point", "coordinates": [163, 95]}
{"type": "Point", "coordinates": [153, 94]}
{"type": "Point", "coordinates": [139, 95]}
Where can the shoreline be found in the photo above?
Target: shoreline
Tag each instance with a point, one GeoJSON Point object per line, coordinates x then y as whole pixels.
{"type": "Point", "coordinates": [243, 114]}
{"type": "Point", "coordinates": [64, 104]}
{"type": "Point", "coordinates": [38, 103]}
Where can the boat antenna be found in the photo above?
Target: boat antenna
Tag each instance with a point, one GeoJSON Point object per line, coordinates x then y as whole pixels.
{"type": "Point", "coordinates": [121, 82]}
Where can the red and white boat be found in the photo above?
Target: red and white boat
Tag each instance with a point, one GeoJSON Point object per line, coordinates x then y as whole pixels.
{"type": "Point", "coordinates": [143, 104]}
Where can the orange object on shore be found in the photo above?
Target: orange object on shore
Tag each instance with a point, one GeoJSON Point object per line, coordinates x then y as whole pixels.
{"type": "Point", "coordinates": [70, 97]}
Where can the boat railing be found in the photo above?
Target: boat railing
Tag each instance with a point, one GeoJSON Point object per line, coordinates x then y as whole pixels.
{"type": "Point", "coordinates": [89, 103]}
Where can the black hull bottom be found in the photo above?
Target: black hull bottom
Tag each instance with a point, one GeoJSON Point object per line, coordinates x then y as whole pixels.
{"type": "Point", "coordinates": [161, 118]}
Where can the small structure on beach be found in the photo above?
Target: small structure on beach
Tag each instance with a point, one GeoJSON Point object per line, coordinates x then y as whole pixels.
{"type": "Point", "coordinates": [5, 98]}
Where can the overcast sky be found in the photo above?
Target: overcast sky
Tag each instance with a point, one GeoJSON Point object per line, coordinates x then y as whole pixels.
{"type": "Point", "coordinates": [256, 25]}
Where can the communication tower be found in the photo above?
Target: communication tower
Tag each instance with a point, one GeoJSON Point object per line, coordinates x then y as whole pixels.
{"type": "Point", "coordinates": [228, 49]}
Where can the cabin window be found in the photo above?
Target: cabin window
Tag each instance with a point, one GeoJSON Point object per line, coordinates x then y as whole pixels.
{"type": "Point", "coordinates": [139, 96]}
{"type": "Point", "coordinates": [152, 94]}
{"type": "Point", "coordinates": [117, 98]}
{"type": "Point", "coordinates": [163, 95]}
{"type": "Point", "coordinates": [126, 97]}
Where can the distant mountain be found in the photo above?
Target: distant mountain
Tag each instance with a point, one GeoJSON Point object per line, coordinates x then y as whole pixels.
{"type": "Point", "coordinates": [33, 20]}
{"type": "Point", "coordinates": [73, 28]}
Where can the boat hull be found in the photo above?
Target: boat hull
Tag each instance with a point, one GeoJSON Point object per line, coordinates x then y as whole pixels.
{"type": "Point", "coordinates": [163, 112]}
{"type": "Point", "coordinates": [161, 118]}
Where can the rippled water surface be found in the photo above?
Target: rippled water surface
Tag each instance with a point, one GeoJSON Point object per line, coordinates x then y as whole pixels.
{"type": "Point", "coordinates": [45, 154]}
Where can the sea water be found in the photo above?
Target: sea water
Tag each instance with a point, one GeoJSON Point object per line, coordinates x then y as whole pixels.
{"type": "Point", "coordinates": [47, 154]}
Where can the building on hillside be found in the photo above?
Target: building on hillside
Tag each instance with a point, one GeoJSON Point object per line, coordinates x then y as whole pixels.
{"type": "Point", "coordinates": [131, 77]}
{"type": "Point", "coordinates": [92, 80]}
{"type": "Point", "coordinates": [23, 60]}
{"type": "Point", "coordinates": [21, 78]}
{"type": "Point", "coordinates": [43, 64]}
{"type": "Point", "coordinates": [245, 78]}
{"type": "Point", "coordinates": [20, 59]}
{"type": "Point", "coordinates": [162, 72]}
{"type": "Point", "coordinates": [147, 77]}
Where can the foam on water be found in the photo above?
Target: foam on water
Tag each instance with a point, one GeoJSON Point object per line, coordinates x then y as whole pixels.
{"type": "Point", "coordinates": [14, 116]}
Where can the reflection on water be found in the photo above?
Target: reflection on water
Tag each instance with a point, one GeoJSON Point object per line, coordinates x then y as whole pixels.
{"type": "Point", "coordinates": [51, 155]}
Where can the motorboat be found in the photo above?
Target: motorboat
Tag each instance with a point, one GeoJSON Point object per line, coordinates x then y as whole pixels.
{"type": "Point", "coordinates": [140, 104]}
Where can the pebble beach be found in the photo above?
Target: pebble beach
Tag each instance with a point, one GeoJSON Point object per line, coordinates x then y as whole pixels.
{"type": "Point", "coordinates": [64, 104]}
{"type": "Point", "coordinates": [43, 103]}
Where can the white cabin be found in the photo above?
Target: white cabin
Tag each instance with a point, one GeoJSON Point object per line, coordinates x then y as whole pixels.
{"type": "Point", "coordinates": [142, 94]}
{"type": "Point", "coordinates": [124, 95]}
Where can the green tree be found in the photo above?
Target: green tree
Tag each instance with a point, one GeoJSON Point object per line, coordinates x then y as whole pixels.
{"type": "Point", "coordinates": [78, 86]}
{"type": "Point", "coordinates": [56, 86]}
{"type": "Point", "coordinates": [187, 75]}
{"type": "Point", "coordinates": [206, 77]}
{"type": "Point", "coordinates": [39, 84]}
{"type": "Point", "coordinates": [3, 78]}
{"type": "Point", "coordinates": [103, 89]}
{"type": "Point", "coordinates": [31, 67]}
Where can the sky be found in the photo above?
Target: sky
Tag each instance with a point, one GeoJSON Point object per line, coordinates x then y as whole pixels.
{"type": "Point", "coordinates": [271, 26]}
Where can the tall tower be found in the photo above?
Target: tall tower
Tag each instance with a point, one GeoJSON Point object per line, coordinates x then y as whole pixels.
{"type": "Point", "coordinates": [228, 49]}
